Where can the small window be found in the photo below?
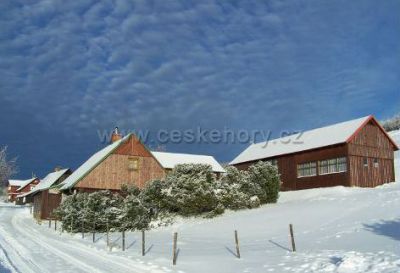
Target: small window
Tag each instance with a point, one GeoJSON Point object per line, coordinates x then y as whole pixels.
{"type": "Point", "coordinates": [133, 164]}
{"type": "Point", "coordinates": [365, 162]}
{"type": "Point", "coordinates": [376, 163]}
{"type": "Point", "coordinates": [307, 169]}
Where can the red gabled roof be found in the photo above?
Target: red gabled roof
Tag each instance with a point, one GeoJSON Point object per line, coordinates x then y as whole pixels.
{"type": "Point", "coordinates": [373, 119]}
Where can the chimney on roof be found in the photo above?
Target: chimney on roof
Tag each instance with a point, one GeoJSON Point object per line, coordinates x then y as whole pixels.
{"type": "Point", "coordinates": [57, 169]}
{"type": "Point", "coordinates": [115, 135]}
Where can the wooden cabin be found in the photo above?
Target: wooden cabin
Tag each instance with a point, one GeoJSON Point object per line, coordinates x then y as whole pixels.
{"type": "Point", "coordinates": [127, 161]}
{"type": "Point", "coordinates": [16, 187]}
{"type": "Point", "coordinates": [356, 153]}
{"type": "Point", "coordinates": [45, 197]}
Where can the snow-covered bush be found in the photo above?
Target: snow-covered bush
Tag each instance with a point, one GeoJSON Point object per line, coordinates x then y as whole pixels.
{"type": "Point", "coordinates": [228, 189]}
{"type": "Point", "coordinates": [71, 210]}
{"type": "Point", "coordinates": [189, 190]}
{"type": "Point", "coordinates": [134, 215]}
{"type": "Point", "coordinates": [152, 196]}
{"type": "Point", "coordinates": [88, 212]}
{"type": "Point", "coordinates": [264, 182]}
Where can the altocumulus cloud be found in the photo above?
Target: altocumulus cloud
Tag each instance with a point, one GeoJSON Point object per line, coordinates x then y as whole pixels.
{"type": "Point", "coordinates": [90, 65]}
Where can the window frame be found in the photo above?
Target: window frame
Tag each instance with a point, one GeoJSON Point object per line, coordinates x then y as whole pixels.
{"type": "Point", "coordinates": [376, 162]}
{"type": "Point", "coordinates": [332, 166]}
{"type": "Point", "coordinates": [365, 162]}
{"type": "Point", "coordinates": [309, 166]}
{"type": "Point", "coordinates": [133, 160]}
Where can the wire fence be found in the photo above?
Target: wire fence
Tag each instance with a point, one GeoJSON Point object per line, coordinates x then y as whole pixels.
{"type": "Point", "coordinates": [126, 240]}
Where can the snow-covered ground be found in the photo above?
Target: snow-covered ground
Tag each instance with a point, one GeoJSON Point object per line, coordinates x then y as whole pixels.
{"type": "Point", "coordinates": [336, 230]}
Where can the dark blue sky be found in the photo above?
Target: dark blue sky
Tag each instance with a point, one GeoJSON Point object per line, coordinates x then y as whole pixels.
{"type": "Point", "coordinates": [71, 68]}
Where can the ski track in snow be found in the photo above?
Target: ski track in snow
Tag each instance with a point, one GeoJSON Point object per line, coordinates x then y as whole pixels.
{"type": "Point", "coordinates": [26, 249]}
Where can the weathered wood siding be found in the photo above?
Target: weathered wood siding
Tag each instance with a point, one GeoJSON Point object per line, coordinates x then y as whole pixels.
{"type": "Point", "coordinates": [37, 206]}
{"type": "Point", "coordinates": [44, 204]}
{"type": "Point", "coordinates": [370, 143]}
{"type": "Point", "coordinates": [287, 167]}
{"type": "Point", "coordinates": [114, 171]}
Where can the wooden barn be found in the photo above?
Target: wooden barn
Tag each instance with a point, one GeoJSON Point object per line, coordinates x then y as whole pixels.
{"type": "Point", "coordinates": [16, 187]}
{"type": "Point", "coordinates": [127, 161]}
{"type": "Point", "coordinates": [356, 153]}
{"type": "Point", "coordinates": [45, 197]}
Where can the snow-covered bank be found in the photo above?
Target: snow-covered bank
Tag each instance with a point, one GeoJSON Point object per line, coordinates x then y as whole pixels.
{"type": "Point", "coordinates": [336, 229]}
{"type": "Point", "coordinates": [396, 137]}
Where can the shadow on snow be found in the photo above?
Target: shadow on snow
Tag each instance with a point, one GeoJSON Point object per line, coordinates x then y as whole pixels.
{"type": "Point", "coordinates": [389, 229]}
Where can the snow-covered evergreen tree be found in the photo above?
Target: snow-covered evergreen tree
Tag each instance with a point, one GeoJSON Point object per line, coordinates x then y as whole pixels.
{"type": "Point", "coordinates": [229, 189]}
{"type": "Point", "coordinates": [264, 182]}
{"type": "Point", "coordinates": [189, 189]}
{"type": "Point", "coordinates": [392, 123]}
{"type": "Point", "coordinates": [134, 215]}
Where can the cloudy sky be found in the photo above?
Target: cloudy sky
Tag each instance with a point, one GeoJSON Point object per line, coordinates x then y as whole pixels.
{"type": "Point", "coordinates": [69, 69]}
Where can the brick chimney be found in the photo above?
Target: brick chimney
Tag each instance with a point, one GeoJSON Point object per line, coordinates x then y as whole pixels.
{"type": "Point", "coordinates": [115, 135]}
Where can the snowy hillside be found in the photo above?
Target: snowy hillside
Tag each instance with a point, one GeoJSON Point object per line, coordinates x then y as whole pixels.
{"type": "Point", "coordinates": [396, 137]}
{"type": "Point", "coordinates": [336, 230]}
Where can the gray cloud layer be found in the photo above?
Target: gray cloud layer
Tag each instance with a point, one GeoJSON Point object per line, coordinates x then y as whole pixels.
{"type": "Point", "coordinates": [89, 65]}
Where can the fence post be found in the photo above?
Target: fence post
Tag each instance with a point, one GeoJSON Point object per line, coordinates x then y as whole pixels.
{"type": "Point", "coordinates": [49, 223]}
{"type": "Point", "coordinates": [143, 243]}
{"type": "Point", "coordinates": [94, 231]}
{"type": "Point", "coordinates": [174, 248]}
{"type": "Point", "coordinates": [123, 240]}
{"type": "Point", "coordinates": [83, 229]}
{"type": "Point", "coordinates": [55, 224]}
{"type": "Point", "coordinates": [237, 244]}
{"type": "Point", "coordinates": [72, 224]}
{"type": "Point", "coordinates": [31, 210]}
{"type": "Point", "coordinates": [292, 237]}
{"type": "Point", "coordinates": [108, 235]}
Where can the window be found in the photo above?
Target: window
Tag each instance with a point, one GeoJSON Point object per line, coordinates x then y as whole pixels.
{"type": "Point", "coordinates": [133, 164]}
{"type": "Point", "coordinates": [307, 169]}
{"type": "Point", "coordinates": [32, 187]}
{"type": "Point", "coordinates": [335, 165]}
{"type": "Point", "coordinates": [376, 163]}
{"type": "Point", "coordinates": [365, 162]}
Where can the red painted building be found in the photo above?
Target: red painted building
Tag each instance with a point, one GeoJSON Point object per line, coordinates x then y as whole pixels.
{"type": "Point", "coordinates": [353, 153]}
{"type": "Point", "coordinates": [16, 187]}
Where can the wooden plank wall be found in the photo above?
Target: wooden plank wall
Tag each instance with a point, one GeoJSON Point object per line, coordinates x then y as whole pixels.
{"type": "Point", "coordinates": [37, 206]}
{"type": "Point", "coordinates": [114, 171]}
{"type": "Point", "coordinates": [371, 143]}
{"type": "Point", "coordinates": [318, 181]}
{"type": "Point", "coordinates": [287, 167]}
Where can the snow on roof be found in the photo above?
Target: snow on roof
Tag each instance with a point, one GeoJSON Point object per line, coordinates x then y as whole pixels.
{"type": "Point", "coordinates": [16, 183]}
{"type": "Point", "coordinates": [317, 138]}
{"type": "Point", "coordinates": [46, 182]}
{"type": "Point", "coordinates": [25, 183]}
{"type": "Point", "coordinates": [170, 160]}
{"type": "Point", "coordinates": [91, 163]}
